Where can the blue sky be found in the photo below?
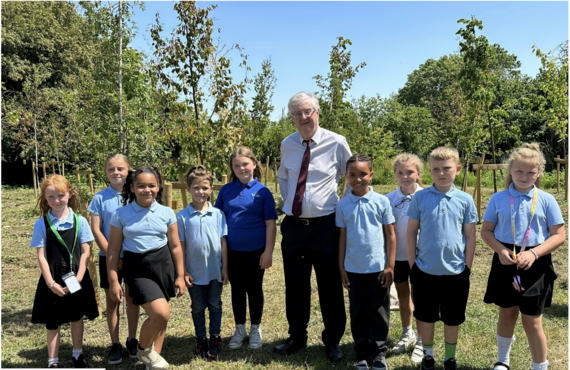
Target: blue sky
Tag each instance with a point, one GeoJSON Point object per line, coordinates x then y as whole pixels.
{"type": "Point", "coordinates": [393, 38]}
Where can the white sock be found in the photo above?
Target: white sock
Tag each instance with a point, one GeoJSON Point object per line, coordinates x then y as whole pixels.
{"type": "Point", "coordinates": [541, 366]}
{"type": "Point", "coordinates": [52, 361]}
{"type": "Point", "coordinates": [419, 338]}
{"type": "Point", "coordinates": [76, 352]}
{"type": "Point", "coordinates": [504, 347]}
{"type": "Point", "coordinates": [407, 330]}
{"type": "Point", "coordinates": [428, 352]}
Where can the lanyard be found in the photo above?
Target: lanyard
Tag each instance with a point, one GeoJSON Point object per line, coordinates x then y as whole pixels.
{"type": "Point", "coordinates": [61, 240]}
{"type": "Point", "coordinates": [527, 234]}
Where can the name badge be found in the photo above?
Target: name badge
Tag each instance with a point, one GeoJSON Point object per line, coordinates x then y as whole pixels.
{"type": "Point", "coordinates": [71, 282]}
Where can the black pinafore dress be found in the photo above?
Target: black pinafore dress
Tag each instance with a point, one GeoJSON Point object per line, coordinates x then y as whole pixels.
{"type": "Point", "coordinates": [49, 308]}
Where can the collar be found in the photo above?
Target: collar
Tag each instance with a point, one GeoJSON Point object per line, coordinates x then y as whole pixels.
{"type": "Point", "coordinates": [112, 191]}
{"type": "Point", "coordinates": [138, 208]}
{"type": "Point", "coordinates": [355, 198]}
{"type": "Point", "coordinates": [68, 219]}
{"type": "Point", "coordinates": [402, 195]}
{"type": "Point", "coordinates": [449, 194]}
{"type": "Point", "coordinates": [249, 185]}
{"type": "Point", "coordinates": [317, 137]}
{"type": "Point", "coordinates": [192, 210]}
{"type": "Point", "coordinates": [515, 193]}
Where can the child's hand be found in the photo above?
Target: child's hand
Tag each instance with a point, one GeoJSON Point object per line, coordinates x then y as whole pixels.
{"type": "Point", "coordinates": [387, 277]}
{"type": "Point", "coordinates": [116, 292]}
{"type": "Point", "coordinates": [225, 278]}
{"type": "Point", "coordinates": [266, 260]}
{"type": "Point", "coordinates": [506, 257]}
{"type": "Point", "coordinates": [180, 286]}
{"type": "Point", "coordinates": [344, 278]}
{"type": "Point", "coordinates": [120, 264]}
{"type": "Point", "coordinates": [188, 279]}
{"type": "Point", "coordinates": [59, 290]}
{"type": "Point", "coordinates": [525, 260]}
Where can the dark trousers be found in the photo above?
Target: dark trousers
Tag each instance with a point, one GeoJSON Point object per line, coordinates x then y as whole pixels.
{"type": "Point", "coordinates": [246, 278]}
{"type": "Point", "coordinates": [369, 314]}
{"type": "Point", "coordinates": [304, 247]}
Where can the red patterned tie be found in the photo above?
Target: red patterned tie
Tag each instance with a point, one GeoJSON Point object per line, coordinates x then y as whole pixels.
{"type": "Point", "coordinates": [302, 181]}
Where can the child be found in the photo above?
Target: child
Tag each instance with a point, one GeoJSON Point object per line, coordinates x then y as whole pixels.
{"type": "Point", "coordinates": [250, 210]}
{"type": "Point", "coordinates": [61, 238]}
{"type": "Point", "coordinates": [102, 207]}
{"type": "Point", "coordinates": [202, 230]}
{"type": "Point", "coordinates": [443, 254]}
{"type": "Point", "coordinates": [536, 221]}
{"type": "Point", "coordinates": [407, 169]}
{"type": "Point", "coordinates": [366, 264]}
{"type": "Point", "coordinates": [147, 232]}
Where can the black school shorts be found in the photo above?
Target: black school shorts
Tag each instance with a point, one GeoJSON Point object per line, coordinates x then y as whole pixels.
{"type": "Point", "coordinates": [440, 297]}
{"type": "Point", "coordinates": [401, 271]}
{"type": "Point", "coordinates": [104, 276]}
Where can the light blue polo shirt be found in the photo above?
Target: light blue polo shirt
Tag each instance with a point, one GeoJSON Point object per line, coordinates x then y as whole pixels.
{"type": "Point", "coordinates": [202, 234]}
{"type": "Point", "coordinates": [104, 204]}
{"type": "Point", "coordinates": [364, 218]}
{"type": "Point", "coordinates": [39, 234]}
{"type": "Point", "coordinates": [144, 229]}
{"type": "Point", "coordinates": [547, 214]}
{"type": "Point", "coordinates": [441, 245]}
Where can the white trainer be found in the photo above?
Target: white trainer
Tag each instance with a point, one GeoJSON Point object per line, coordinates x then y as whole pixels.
{"type": "Point", "coordinates": [417, 353]}
{"type": "Point", "coordinates": [404, 343]}
{"type": "Point", "coordinates": [152, 359]}
{"type": "Point", "coordinates": [255, 340]}
{"type": "Point", "coordinates": [238, 338]}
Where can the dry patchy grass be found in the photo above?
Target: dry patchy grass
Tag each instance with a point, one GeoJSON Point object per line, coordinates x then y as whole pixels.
{"type": "Point", "coordinates": [24, 344]}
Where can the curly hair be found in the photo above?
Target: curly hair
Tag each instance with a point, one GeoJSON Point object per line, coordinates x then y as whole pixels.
{"type": "Point", "coordinates": [128, 195]}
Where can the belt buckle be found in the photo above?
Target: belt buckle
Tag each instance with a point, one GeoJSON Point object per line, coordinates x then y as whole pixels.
{"type": "Point", "coordinates": [305, 222]}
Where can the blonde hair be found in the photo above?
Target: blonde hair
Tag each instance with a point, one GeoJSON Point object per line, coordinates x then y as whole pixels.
{"type": "Point", "coordinates": [63, 186]}
{"type": "Point", "coordinates": [528, 152]}
{"type": "Point", "coordinates": [120, 157]}
{"type": "Point", "coordinates": [244, 152]}
{"type": "Point", "coordinates": [444, 153]}
{"type": "Point", "coordinates": [411, 159]}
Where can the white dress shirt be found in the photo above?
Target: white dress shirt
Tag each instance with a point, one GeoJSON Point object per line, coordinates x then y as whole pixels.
{"type": "Point", "coordinates": [329, 153]}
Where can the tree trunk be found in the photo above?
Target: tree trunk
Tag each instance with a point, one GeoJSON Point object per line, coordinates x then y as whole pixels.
{"type": "Point", "coordinates": [492, 150]}
{"type": "Point", "coordinates": [121, 128]}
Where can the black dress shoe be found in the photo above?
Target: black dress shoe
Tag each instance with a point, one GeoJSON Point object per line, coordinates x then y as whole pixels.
{"type": "Point", "coordinates": [333, 352]}
{"type": "Point", "coordinates": [290, 346]}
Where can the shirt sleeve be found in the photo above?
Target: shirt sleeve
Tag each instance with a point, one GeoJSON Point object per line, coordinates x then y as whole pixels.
{"type": "Point", "coordinates": [343, 154]}
{"type": "Point", "coordinates": [39, 234]}
{"type": "Point", "coordinates": [282, 174]}
{"type": "Point", "coordinates": [491, 211]}
{"type": "Point", "coordinates": [414, 209]}
{"type": "Point", "coordinates": [116, 220]}
{"type": "Point", "coordinates": [95, 206]}
{"type": "Point", "coordinates": [387, 216]}
{"type": "Point", "coordinates": [269, 212]}
{"type": "Point", "coordinates": [181, 226]}
{"type": "Point", "coordinates": [553, 213]}
{"type": "Point", "coordinates": [170, 217]}
{"type": "Point", "coordinates": [339, 217]}
{"type": "Point", "coordinates": [220, 199]}
{"type": "Point", "coordinates": [85, 234]}
{"type": "Point", "coordinates": [471, 215]}
{"type": "Point", "coordinates": [223, 225]}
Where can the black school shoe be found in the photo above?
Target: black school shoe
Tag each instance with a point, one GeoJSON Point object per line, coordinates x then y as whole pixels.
{"type": "Point", "coordinates": [379, 363]}
{"type": "Point", "coordinates": [290, 346]}
{"type": "Point", "coordinates": [115, 354]}
{"type": "Point", "coordinates": [214, 351]}
{"type": "Point", "coordinates": [80, 363]}
{"type": "Point", "coordinates": [132, 347]}
{"type": "Point", "coordinates": [428, 363]}
{"type": "Point", "coordinates": [333, 352]}
{"type": "Point", "coordinates": [202, 347]}
{"type": "Point", "coordinates": [450, 364]}
{"type": "Point", "coordinates": [54, 366]}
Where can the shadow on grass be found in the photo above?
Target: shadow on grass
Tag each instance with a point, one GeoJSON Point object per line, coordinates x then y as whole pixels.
{"type": "Point", "coordinates": [556, 311]}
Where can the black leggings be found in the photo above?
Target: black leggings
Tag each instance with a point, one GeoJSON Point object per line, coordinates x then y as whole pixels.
{"type": "Point", "coordinates": [246, 278]}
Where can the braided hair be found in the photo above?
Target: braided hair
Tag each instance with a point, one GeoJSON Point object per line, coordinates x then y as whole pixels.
{"type": "Point", "coordinates": [128, 195]}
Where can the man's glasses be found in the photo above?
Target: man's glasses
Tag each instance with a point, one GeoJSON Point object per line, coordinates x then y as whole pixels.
{"type": "Point", "coordinates": [400, 204]}
{"type": "Point", "coordinates": [303, 114]}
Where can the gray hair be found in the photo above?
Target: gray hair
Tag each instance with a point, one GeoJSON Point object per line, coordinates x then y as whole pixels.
{"type": "Point", "coordinates": [300, 97]}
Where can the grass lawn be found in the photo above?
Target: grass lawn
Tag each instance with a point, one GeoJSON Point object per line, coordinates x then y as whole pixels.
{"type": "Point", "coordinates": [24, 344]}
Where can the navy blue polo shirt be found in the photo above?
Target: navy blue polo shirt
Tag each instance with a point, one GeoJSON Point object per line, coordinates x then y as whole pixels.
{"type": "Point", "coordinates": [247, 207]}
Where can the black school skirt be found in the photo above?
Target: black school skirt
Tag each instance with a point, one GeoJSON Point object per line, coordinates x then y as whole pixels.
{"type": "Point", "coordinates": [538, 282]}
{"type": "Point", "coordinates": [149, 275]}
{"type": "Point", "coordinates": [53, 310]}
